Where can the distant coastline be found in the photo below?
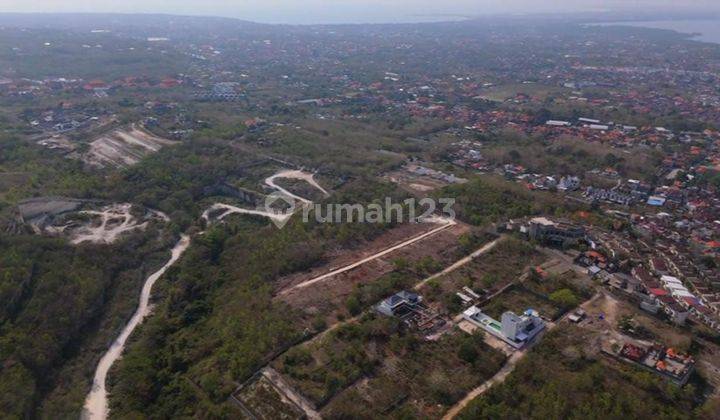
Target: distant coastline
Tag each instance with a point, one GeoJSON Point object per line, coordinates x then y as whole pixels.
{"type": "Point", "coordinates": [697, 30]}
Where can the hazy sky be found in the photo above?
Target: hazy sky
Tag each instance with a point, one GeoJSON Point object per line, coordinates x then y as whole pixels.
{"type": "Point", "coordinates": [317, 11]}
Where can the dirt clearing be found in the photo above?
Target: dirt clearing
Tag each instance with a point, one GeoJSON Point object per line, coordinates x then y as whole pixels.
{"type": "Point", "coordinates": [86, 221]}
{"type": "Point", "coordinates": [123, 147]}
{"type": "Point", "coordinates": [327, 297]}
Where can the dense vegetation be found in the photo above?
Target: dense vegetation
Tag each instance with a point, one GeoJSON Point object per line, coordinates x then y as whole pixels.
{"type": "Point", "coordinates": [487, 200]}
{"type": "Point", "coordinates": [56, 299]}
{"type": "Point", "coordinates": [407, 376]}
{"type": "Point", "coordinates": [216, 320]}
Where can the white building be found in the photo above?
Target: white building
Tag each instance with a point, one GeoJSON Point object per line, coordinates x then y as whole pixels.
{"type": "Point", "coordinates": [516, 330]}
{"type": "Point", "coordinates": [555, 123]}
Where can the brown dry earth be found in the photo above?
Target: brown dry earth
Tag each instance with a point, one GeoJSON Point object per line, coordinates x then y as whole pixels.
{"type": "Point", "coordinates": [327, 296]}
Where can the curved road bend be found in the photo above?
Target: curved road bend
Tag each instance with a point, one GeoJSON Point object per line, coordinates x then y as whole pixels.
{"type": "Point", "coordinates": [96, 403]}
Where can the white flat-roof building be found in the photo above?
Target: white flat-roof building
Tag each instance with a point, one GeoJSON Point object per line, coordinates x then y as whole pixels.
{"type": "Point", "coordinates": [516, 330]}
{"type": "Point", "coordinates": [556, 123]}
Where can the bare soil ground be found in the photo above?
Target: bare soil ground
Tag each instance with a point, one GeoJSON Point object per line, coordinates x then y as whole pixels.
{"type": "Point", "coordinates": [414, 183]}
{"type": "Point", "coordinates": [46, 206]}
{"type": "Point", "coordinates": [604, 313]}
{"type": "Point", "coordinates": [328, 296]}
{"type": "Point", "coordinates": [123, 147]}
{"type": "Point", "coordinates": [106, 225]}
{"type": "Point", "coordinates": [58, 142]}
{"type": "Point", "coordinates": [82, 222]}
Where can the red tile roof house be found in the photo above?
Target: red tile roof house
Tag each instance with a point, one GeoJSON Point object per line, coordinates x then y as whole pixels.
{"type": "Point", "coordinates": [659, 266]}
{"type": "Point", "coordinates": [95, 84]}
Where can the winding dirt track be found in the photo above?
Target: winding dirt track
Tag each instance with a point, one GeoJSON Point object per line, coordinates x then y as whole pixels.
{"type": "Point", "coordinates": [307, 177]}
{"type": "Point", "coordinates": [96, 402]}
{"type": "Point", "coordinates": [238, 210]}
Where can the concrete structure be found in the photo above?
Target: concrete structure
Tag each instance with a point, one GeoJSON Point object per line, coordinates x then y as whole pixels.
{"type": "Point", "coordinates": [555, 123]}
{"type": "Point", "coordinates": [516, 330]}
{"type": "Point", "coordinates": [399, 304]}
{"type": "Point", "coordinates": [569, 183]}
{"type": "Point", "coordinates": [555, 233]}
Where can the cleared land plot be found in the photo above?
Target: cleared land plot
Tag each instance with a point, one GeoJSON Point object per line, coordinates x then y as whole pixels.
{"type": "Point", "coordinates": [123, 147]}
{"type": "Point", "coordinates": [505, 92]}
{"type": "Point", "coordinates": [378, 368]}
{"type": "Point", "coordinates": [605, 313]}
{"type": "Point", "coordinates": [264, 401]}
{"type": "Point", "coordinates": [420, 383]}
{"type": "Point", "coordinates": [85, 221]}
{"type": "Point", "coordinates": [343, 258]}
{"type": "Point", "coordinates": [502, 265]}
{"type": "Point", "coordinates": [548, 288]}
{"type": "Point", "coordinates": [413, 183]}
{"type": "Point", "coordinates": [47, 206]}
{"type": "Point", "coordinates": [378, 278]}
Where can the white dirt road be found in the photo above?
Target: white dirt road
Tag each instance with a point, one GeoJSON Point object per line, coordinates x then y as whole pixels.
{"type": "Point", "coordinates": [293, 174]}
{"type": "Point", "coordinates": [500, 376]}
{"type": "Point", "coordinates": [96, 403]}
{"type": "Point", "coordinates": [237, 210]}
{"type": "Point", "coordinates": [484, 250]}
{"type": "Point", "coordinates": [270, 181]}
{"type": "Point", "coordinates": [445, 224]}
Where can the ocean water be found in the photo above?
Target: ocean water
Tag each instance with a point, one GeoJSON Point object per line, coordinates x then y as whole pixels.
{"type": "Point", "coordinates": [702, 30]}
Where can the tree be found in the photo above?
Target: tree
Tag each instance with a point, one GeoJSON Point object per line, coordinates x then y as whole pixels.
{"type": "Point", "coordinates": [353, 305]}
{"type": "Point", "coordinates": [467, 351]}
{"type": "Point", "coordinates": [565, 298]}
{"type": "Point", "coordinates": [401, 264]}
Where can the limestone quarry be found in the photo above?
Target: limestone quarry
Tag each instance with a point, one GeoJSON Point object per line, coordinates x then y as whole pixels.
{"type": "Point", "coordinates": [123, 147]}
{"type": "Point", "coordinates": [85, 221]}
